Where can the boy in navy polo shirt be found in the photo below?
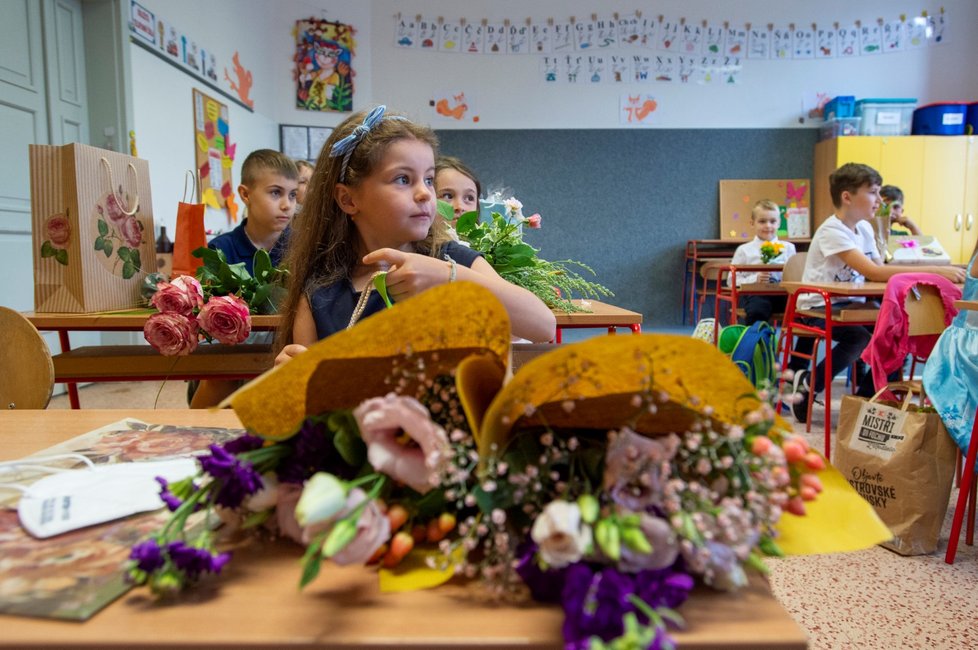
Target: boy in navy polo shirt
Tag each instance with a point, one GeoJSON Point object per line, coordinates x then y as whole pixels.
{"type": "Point", "coordinates": [269, 183]}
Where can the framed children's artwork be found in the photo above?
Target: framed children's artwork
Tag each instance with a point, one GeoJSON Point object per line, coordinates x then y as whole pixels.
{"type": "Point", "coordinates": [324, 65]}
{"type": "Point", "coordinates": [302, 142]}
{"type": "Point", "coordinates": [213, 149]}
{"type": "Point", "coordinates": [737, 199]}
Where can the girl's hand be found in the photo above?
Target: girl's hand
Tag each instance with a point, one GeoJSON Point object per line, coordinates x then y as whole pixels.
{"type": "Point", "coordinates": [763, 276]}
{"type": "Point", "coordinates": [289, 351]}
{"type": "Point", "coordinates": [953, 273]}
{"type": "Point", "coordinates": [409, 273]}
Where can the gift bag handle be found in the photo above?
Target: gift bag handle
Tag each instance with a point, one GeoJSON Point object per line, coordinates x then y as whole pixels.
{"type": "Point", "coordinates": [188, 177]}
{"type": "Point", "coordinates": [910, 388]}
{"type": "Point", "coordinates": [135, 176]}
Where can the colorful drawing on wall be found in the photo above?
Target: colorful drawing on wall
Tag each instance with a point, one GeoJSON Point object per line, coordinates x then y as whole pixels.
{"type": "Point", "coordinates": [213, 150]}
{"type": "Point", "coordinates": [637, 109]}
{"type": "Point", "coordinates": [242, 82]}
{"type": "Point", "coordinates": [454, 106]}
{"type": "Point", "coordinates": [324, 65]}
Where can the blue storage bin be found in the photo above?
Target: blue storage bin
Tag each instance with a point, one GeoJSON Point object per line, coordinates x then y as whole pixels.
{"type": "Point", "coordinates": [940, 119]}
{"type": "Point", "coordinates": [841, 106]}
{"type": "Point", "coordinates": [971, 119]}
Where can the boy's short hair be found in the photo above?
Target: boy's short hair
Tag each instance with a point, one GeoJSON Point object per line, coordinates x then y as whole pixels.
{"type": "Point", "coordinates": [849, 178]}
{"type": "Point", "coordinates": [892, 193]}
{"type": "Point", "coordinates": [303, 164]}
{"type": "Point", "coordinates": [261, 160]}
{"type": "Point", "coordinates": [764, 204]}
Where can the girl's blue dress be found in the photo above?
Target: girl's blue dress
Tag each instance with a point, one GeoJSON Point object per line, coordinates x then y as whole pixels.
{"type": "Point", "coordinates": [951, 373]}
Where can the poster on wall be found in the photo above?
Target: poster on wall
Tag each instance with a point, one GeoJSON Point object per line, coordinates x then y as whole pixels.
{"type": "Point", "coordinates": [213, 150]}
{"type": "Point", "coordinates": [324, 65]}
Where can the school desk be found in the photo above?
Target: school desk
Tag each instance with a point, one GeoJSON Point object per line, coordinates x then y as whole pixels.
{"type": "Point", "coordinates": [256, 602]}
{"type": "Point", "coordinates": [700, 251]}
{"type": "Point", "coordinates": [849, 316]}
{"type": "Point", "coordinates": [102, 363]}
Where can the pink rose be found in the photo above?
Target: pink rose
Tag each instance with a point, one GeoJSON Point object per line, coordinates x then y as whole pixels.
{"type": "Point", "coordinates": [58, 229]}
{"type": "Point", "coordinates": [114, 210]}
{"type": "Point", "coordinates": [226, 318]}
{"type": "Point", "coordinates": [131, 231]}
{"type": "Point", "coordinates": [171, 334]}
{"type": "Point", "coordinates": [534, 221]}
{"type": "Point", "coordinates": [382, 420]}
{"type": "Point", "coordinates": [181, 296]}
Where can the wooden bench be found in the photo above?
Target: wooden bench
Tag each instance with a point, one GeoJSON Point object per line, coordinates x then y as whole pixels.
{"type": "Point", "coordinates": [143, 363]}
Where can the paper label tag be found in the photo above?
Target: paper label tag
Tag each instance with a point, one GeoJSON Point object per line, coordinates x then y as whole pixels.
{"type": "Point", "coordinates": [952, 119]}
{"type": "Point", "coordinates": [879, 430]}
{"type": "Point", "coordinates": [888, 118]}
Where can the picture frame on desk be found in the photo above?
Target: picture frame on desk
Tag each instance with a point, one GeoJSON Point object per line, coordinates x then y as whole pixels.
{"type": "Point", "coordinates": [301, 142]}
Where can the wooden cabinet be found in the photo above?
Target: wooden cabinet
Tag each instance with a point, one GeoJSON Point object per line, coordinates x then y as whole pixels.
{"type": "Point", "coordinates": [938, 176]}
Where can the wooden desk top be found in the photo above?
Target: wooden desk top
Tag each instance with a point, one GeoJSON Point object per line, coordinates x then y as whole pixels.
{"type": "Point", "coordinates": [868, 289]}
{"type": "Point", "coordinates": [601, 315]}
{"type": "Point", "coordinates": [256, 602]}
{"type": "Point", "coordinates": [133, 320]}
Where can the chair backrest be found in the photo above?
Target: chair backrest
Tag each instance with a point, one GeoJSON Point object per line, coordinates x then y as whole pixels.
{"type": "Point", "coordinates": [925, 315]}
{"type": "Point", "coordinates": [26, 369]}
{"type": "Point", "coordinates": [711, 270]}
{"type": "Point", "coordinates": [794, 268]}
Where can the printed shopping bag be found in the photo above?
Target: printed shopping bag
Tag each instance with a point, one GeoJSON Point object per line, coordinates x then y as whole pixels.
{"type": "Point", "coordinates": [92, 223]}
{"type": "Point", "coordinates": [190, 231]}
{"type": "Point", "coordinates": [900, 458]}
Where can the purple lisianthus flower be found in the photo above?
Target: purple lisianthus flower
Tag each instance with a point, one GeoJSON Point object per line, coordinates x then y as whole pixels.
{"type": "Point", "coordinates": [663, 588]}
{"type": "Point", "coordinates": [594, 604]}
{"type": "Point", "coordinates": [172, 501]}
{"type": "Point", "coordinates": [246, 442]}
{"type": "Point", "coordinates": [147, 555]}
{"type": "Point", "coordinates": [545, 585]}
{"type": "Point", "coordinates": [193, 561]}
{"type": "Point", "coordinates": [237, 478]}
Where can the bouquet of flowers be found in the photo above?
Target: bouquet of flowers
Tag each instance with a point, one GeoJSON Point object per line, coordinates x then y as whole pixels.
{"type": "Point", "coordinates": [770, 250]}
{"type": "Point", "coordinates": [501, 242]}
{"type": "Point", "coordinates": [608, 476]}
{"type": "Point", "coordinates": [217, 305]}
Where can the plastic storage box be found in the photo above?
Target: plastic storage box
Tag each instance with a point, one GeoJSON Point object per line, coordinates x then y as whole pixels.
{"type": "Point", "coordinates": [885, 116]}
{"type": "Point", "coordinates": [940, 119]}
{"type": "Point", "coordinates": [841, 106]}
{"type": "Point", "coordinates": [840, 126]}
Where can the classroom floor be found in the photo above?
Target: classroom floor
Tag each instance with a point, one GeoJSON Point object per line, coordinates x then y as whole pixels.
{"type": "Point", "coordinates": [864, 600]}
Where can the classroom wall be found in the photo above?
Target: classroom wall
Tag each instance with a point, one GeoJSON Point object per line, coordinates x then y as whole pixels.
{"type": "Point", "coordinates": [623, 200]}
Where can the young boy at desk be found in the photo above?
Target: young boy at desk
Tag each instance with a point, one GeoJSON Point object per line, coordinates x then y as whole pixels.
{"type": "Point", "coordinates": [844, 250]}
{"type": "Point", "coordinates": [269, 185]}
{"type": "Point", "coordinates": [900, 224]}
{"type": "Point", "coordinates": [764, 218]}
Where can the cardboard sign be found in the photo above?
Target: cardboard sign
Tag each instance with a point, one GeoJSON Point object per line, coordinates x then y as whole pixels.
{"type": "Point", "coordinates": [737, 199]}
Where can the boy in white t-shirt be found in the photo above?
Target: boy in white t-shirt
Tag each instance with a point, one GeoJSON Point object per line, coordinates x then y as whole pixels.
{"type": "Point", "coordinates": [844, 250]}
{"type": "Point", "coordinates": [765, 218]}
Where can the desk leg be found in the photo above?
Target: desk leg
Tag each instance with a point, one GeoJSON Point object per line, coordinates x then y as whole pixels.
{"type": "Point", "coordinates": [72, 387]}
{"type": "Point", "coordinates": [612, 330]}
{"type": "Point", "coordinates": [559, 336]}
{"type": "Point", "coordinates": [636, 328]}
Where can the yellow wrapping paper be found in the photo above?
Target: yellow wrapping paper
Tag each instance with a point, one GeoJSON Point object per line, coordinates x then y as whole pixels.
{"type": "Point", "coordinates": [588, 385]}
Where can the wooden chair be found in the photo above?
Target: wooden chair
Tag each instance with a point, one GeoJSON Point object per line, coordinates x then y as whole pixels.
{"type": "Point", "coordinates": [710, 272]}
{"type": "Point", "coordinates": [26, 369]}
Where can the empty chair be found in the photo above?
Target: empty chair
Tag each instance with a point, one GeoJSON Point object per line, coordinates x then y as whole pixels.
{"type": "Point", "coordinates": [26, 369]}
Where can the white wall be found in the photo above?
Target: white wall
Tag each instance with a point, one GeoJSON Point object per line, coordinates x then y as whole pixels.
{"type": "Point", "coordinates": [508, 93]}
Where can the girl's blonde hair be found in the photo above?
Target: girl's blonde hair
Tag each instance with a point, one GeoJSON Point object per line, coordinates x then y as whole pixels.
{"type": "Point", "coordinates": [322, 247]}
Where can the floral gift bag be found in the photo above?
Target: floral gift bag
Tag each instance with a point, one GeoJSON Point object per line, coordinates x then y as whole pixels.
{"type": "Point", "coordinates": [92, 221]}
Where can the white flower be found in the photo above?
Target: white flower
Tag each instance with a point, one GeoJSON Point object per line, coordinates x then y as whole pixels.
{"type": "Point", "coordinates": [322, 497]}
{"type": "Point", "coordinates": [514, 208]}
{"type": "Point", "coordinates": [560, 533]}
{"type": "Point", "coordinates": [266, 497]}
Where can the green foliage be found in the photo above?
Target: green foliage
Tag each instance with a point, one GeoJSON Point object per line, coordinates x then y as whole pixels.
{"type": "Point", "coordinates": [263, 292]}
{"type": "Point", "coordinates": [501, 242]}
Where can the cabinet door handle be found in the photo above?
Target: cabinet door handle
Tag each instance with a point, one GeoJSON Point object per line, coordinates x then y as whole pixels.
{"type": "Point", "coordinates": [957, 223]}
{"type": "Point", "coordinates": [971, 221]}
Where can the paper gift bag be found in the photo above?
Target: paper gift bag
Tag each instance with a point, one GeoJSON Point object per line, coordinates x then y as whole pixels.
{"type": "Point", "coordinates": [190, 233]}
{"type": "Point", "coordinates": [900, 459]}
{"type": "Point", "coordinates": [92, 223]}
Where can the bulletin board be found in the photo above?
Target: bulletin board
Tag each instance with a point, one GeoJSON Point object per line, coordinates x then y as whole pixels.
{"type": "Point", "coordinates": [213, 148]}
{"type": "Point", "coordinates": [737, 199]}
